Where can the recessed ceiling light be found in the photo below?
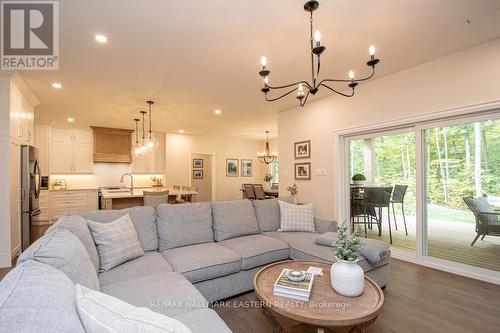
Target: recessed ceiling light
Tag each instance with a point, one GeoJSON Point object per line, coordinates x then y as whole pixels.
{"type": "Point", "coordinates": [217, 111]}
{"type": "Point", "coordinates": [71, 120]}
{"type": "Point", "coordinates": [56, 85]}
{"type": "Point", "coordinates": [101, 38]}
{"type": "Point", "coordinates": [181, 131]}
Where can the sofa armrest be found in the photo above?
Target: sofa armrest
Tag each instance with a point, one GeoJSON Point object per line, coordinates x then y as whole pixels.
{"type": "Point", "coordinates": [323, 225]}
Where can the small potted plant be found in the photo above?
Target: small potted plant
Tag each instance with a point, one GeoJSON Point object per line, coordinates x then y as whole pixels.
{"type": "Point", "coordinates": [267, 178]}
{"type": "Point", "coordinates": [348, 279]}
{"type": "Point", "coordinates": [293, 191]}
{"type": "Point", "coordinates": [358, 179]}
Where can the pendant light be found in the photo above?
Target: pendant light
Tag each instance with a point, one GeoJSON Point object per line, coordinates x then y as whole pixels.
{"type": "Point", "coordinates": [151, 142]}
{"type": "Point", "coordinates": [267, 156]}
{"type": "Point", "coordinates": [143, 148]}
{"type": "Point", "coordinates": [136, 150]}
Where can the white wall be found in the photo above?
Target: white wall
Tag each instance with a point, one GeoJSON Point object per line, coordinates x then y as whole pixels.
{"type": "Point", "coordinates": [179, 147]}
{"type": "Point", "coordinates": [464, 78]}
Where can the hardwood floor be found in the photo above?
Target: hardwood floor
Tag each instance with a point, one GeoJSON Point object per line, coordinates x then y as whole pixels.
{"type": "Point", "coordinates": [418, 299]}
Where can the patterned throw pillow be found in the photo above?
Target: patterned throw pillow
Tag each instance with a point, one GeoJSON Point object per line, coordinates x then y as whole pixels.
{"type": "Point", "coordinates": [296, 217]}
{"type": "Point", "coordinates": [116, 242]}
{"type": "Point", "coordinates": [101, 313]}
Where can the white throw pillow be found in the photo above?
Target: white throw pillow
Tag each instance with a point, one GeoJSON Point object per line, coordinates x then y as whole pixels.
{"type": "Point", "coordinates": [296, 217]}
{"type": "Point", "coordinates": [116, 242]}
{"type": "Point", "coordinates": [101, 313]}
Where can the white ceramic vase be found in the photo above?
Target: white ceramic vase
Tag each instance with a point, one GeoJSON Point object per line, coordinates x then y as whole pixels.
{"type": "Point", "coordinates": [348, 279]}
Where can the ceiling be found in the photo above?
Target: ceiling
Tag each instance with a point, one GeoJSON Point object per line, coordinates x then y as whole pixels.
{"type": "Point", "coordinates": [194, 56]}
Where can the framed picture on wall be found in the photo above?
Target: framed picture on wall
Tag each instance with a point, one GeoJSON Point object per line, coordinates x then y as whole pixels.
{"type": "Point", "coordinates": [232, 167]}
{"type": "Point", "coordinates": [246, 168]}
{"type": "Point", "coordinates": [303, 149]}
{"type": "Point", "coordinates": [303, 171]}
{"type": "Point", "coordinates": [197, 163]}
{"type": "Point", "coordinates": [197, 174]}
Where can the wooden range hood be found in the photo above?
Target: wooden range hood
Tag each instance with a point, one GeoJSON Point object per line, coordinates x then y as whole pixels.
{"type": "Point", "coordinates": [112, 145]}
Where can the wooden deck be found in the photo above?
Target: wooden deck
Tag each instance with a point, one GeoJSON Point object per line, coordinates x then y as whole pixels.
{"type": "Point", "coordinates": [447, 240]}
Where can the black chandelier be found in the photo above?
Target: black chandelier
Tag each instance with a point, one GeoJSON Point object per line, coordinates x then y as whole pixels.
{"type": "Point", "coordinates": [316, 50]}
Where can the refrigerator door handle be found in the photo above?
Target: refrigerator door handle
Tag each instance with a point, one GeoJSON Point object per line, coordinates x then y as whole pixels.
{"type": "Point", "coordinates": [36, 212]}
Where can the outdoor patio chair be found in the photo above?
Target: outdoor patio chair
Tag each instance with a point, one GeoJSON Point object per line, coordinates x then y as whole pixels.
{"type": "Point", "coordinates": [398, 196]}
{"type": "Point", "coordinates": [487, 220]}
{"type": "Point", "coordinates": [378, 198]}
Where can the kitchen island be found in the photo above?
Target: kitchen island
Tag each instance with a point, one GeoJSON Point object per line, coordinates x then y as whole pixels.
{"type": "Point", "coordinates": [126, 198]}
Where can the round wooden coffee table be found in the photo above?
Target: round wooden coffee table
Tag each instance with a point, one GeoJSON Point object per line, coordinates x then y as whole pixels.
{"type": "Point", "coordinates": [325, 309]}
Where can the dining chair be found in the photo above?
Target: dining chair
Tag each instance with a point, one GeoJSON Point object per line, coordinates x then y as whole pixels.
{"type": "Point", "coordinates": [189, 197]}
{"type": "Point", "coordinates": [376, 199]}
{"type": "Point", "coordinates": [258, 189]}
{"type": "Point", "coordinates": [398, 196]}
{"type": "Point", "coordinates": [275, 186]}
{"type": "Point", "coordinates": [154, 198]}
{"type": "Point", "coordinates": [249, 192]}
{"type": "Point", "coordinates": [176, 187]}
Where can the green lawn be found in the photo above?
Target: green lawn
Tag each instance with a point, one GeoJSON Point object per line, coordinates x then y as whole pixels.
{"type": "Point", "coordinates": [442, 213]}
{"type": "Point", "coordinates": [450, 214]}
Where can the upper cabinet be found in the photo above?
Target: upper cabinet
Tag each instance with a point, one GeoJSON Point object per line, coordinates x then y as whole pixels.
{"type": "Point", "coordinates": [21, 118]}
{"type": "Point", "coordinates": [42, 142]}
{"type": "Point", "coordinates": [154, 162]}
{"type": "Point", "coordinates": [71, 151]}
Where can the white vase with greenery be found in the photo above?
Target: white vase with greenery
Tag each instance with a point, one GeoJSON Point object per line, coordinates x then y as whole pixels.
{"type": "Point", "coordinates": [293, 192]}
{"type": "Point", "coordinates": [348, 279]}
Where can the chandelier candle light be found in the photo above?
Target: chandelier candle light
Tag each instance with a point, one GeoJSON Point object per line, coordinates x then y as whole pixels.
{"type": "Point", "coordinates": [312, 88]}
{"type": "Point", "coordinates": [267, 156]}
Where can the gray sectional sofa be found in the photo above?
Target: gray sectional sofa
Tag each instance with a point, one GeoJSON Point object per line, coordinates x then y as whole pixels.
{"type": "Point", "coordinates": [194, 254]}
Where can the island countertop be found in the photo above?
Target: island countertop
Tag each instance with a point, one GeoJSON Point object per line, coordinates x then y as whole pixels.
{"type": "Point", "coordinates": [139, 192]}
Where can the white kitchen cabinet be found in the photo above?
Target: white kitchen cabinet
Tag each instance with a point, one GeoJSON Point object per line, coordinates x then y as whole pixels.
{"type": "Point", "coordinates": [67, 201]}
{"type": "Point", "coordinates": [72, 151]}
{"type": "Point", "coordinates": [21, 118]}
{"type": "Point", "coordinates": [42, 142]}
{"type": "Point", "coordinates": [15, 199]}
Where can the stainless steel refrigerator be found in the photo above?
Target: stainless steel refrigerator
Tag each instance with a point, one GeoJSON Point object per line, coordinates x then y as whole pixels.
{"type": "Point", "coordinates": [30, 191]}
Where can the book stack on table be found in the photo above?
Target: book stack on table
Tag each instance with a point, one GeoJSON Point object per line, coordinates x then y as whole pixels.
{"type": "Point", "coordinates": [300, 290]}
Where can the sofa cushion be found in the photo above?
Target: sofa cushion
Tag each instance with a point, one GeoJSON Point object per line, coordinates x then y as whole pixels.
{"type": "Point", "coordinates": [203, 321]}
{"type": "Point", "coordinates": [181, 225]}
{"type": "Point", "coordinates": [36, 297]}
{"type": "Point", "coordinates": [143, 218]}
{"type": "Point", "coordinates": [296, 217]}
{"type": "Point", "coordinates": [104, 313]}
{"type": "Point", "coordinates": [77, 225]}
{"type": "Point", "coordinates": [303, 247]}
{"type": "Point", "coordinates": [257, 250]}
{"type": "Point", "coordinates": [268, 214]}
{"type": "Point", "coordinates": [168, 293]}
{"type": "Point", "coordinates": [116, 242]}
{"type": "Point", "coordinates": [151, 263]}
{"type": "Point", "coordinates": [203, 261]}
{"type": "Point", "coordinates": [64, 251]}
{"type": "Point", "coordinates": [373, 250]}
{"type": "Point", "coordinates": [233, 218]}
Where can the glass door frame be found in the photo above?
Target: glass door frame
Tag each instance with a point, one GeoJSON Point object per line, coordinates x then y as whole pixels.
{"type": "Point", "coordinates": [418, 124]}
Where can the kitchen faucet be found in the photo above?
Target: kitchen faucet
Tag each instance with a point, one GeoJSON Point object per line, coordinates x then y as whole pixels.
{"type": "Point", "coordinates": [131, 181]}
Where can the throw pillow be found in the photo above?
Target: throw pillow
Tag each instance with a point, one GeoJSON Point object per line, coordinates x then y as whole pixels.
{"type": "Point", "coordinates": [296, 217]}
{"type": "Point", "coordinates": [101, 313]}
{"type": "Point", "coordinates": [116, 242]}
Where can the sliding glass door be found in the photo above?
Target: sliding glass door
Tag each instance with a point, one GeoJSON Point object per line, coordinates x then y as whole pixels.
{"type": "Point", "coordinates": [462, 163]}
{"type": "Point", "coordinates": [431, 189]}
{"type": "Point", "coordinates": [382, 187]}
